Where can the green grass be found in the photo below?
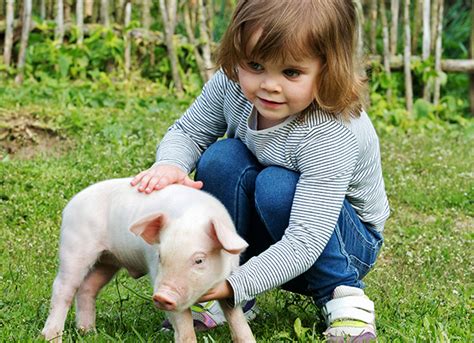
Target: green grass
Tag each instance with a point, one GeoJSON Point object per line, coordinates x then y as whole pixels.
{"type": "Point", "coordinates": [422, 284]}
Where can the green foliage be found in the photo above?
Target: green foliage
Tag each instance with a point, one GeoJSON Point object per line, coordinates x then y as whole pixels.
{"type": "Point", "coordinates": [389, 113]}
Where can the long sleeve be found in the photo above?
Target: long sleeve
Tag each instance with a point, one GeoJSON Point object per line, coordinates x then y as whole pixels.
{"type": "Point", "coordinates": [201, 125]}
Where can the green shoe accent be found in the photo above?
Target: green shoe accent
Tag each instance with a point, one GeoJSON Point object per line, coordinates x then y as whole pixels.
{"type": "Point", "coordinates": [199, 308]}
{"type": "Point", "coordinates": [350, 323]}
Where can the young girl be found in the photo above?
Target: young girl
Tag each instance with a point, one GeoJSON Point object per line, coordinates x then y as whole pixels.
{"type": "Point", "coordinates": [300, 169]}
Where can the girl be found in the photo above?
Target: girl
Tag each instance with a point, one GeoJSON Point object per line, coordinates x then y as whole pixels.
{"type": "Point", "coordinates": [300, 169]}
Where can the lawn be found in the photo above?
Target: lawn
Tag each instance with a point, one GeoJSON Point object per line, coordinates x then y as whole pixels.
{"type": "Point", "coordinates": [57, 138]}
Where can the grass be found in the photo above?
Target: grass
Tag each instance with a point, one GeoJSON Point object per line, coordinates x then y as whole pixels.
{"type": "Point", "coordinates": [422, 284]}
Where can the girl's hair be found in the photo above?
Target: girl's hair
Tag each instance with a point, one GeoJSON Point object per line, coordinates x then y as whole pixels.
{"type": "Point", "coordinates": [295, 29]}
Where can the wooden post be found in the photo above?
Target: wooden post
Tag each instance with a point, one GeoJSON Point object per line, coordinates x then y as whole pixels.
{"type": "Point", "coordinates": [471, 76]}
{"type": "Point", "coordinates": [425, 54]}
{"type": "Point", "coordinates": [168, 13]}
{"type": "Point", "coordinates": [417, 15]}
{"type": "Point", "coordinates": [128, 43]}
{"type": "Point", "coordinates": [104, 13]}
{"type": "Point", "coordinates": [434, 23]}
{"type": "Point", "coordinates": [395, 9]}
{"type": "Point", "coordinates": [146, 18]}
{"type": "Point", "coordinates": [59, 32]}
{"type": "Point", "coordinates": [373, 26]}
{"type": "Point", "coordinates": [25, 33]}
{"type": "Point", "coordinates": [67, 10]}
{"type": "Point", "coordinates": [7, 49]}
{"type": "Point", "coordinates": [80, 20]}
{"type": "Point", "coordinates": [88, 8]}
{"type": "Point", "coordinates": [386, 46]}
{"type": "Point", "coordinates": [119, 11]}
{"type": "Point", "coordinates": [43, 9]}
{"type": "Point", "coordinates": [438, 53]}
{"type": "Point", "coordinates": [189, 25]}
{"type": "Point", "coordinates": [407, 57]}
{"type": "Point", "coordinates": [205, 39]}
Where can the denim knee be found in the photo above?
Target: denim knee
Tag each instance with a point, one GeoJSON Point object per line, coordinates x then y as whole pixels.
{"type": "Point", "coordinates": [274, 192]}
{"type": "Point", "coordinates": [219, 157]}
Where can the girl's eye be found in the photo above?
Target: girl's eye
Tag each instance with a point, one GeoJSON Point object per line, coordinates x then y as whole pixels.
{"type": "Point", "coordinates": [291, 72]}
{"type": "Point", "coordinates": [255, 66]}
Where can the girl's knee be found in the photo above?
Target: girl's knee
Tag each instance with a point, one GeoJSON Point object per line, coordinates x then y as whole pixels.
{"type": "Point", "coordinates": [219, 156]}
{"type": "Point", "coordinates": [274, 192]}
{"type": "Point", "coordinates": [276, 186]}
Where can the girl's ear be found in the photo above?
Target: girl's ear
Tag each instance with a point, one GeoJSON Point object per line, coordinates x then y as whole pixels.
{"type": "Point", "coordinates": [149, 227]}
{"type": "Point", "coordinates": [225, 237]}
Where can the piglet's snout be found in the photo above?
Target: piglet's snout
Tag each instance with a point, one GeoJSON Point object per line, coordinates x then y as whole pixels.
{"type": "Point", "coordinates": [165, 300]}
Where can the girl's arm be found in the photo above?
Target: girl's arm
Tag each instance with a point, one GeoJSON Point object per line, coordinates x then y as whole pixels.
{"type": "Point", "coordinates": [177, 154]}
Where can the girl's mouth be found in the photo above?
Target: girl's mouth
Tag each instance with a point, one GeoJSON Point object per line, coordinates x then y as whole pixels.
{"type": "Point", "coordinates": [270, 103]}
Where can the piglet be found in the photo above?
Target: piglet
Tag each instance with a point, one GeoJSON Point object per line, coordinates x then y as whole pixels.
{"type": "Point", "coordinates": [183, 238]}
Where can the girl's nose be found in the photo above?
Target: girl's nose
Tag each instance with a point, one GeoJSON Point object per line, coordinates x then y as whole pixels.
{"type": "Point", "coordinates": [270, 85]}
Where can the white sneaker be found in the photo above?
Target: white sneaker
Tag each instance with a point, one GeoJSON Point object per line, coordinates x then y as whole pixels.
{"type": "Point", "coordinates": [350, 316]}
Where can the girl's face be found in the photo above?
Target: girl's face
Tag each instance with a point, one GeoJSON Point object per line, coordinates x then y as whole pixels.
{"type": "Point", "coordinates": [279, 90]}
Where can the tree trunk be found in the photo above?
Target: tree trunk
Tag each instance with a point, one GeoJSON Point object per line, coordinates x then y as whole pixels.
{"type": "Point", "coordinates": [119, 11]}
{"type": "Point", "coordinates": [95, 18]}
{"type": "Point", "coordinates": [104, 13]}
{"type": "Point", "coordinates": [168, 13]}
{"type": "Point", "coordinates": [471, 76]}
{"type": "Point", "coordinates": [88, 8]}
{"type": "Point", "coordinates": [425, 54]}
{"type": "Point", "coordinates": [395, 9]}
{"type": "Point", "coordinates": [190, 31]}
{"type": "Point", "coordinates": [417, 15]}
{"type": "Point", "coordinates": [438, 53]}
{"type": "Point", "coordinates": [67, 10]}
{"type": "Point", "coordinates": [59, 32]}
{"type": "Point", "coordinates": [373, 26]}
{"type": "Point", "coordinates": [205, 39]}
{"type": "Point", "coordinates": [360, 28]}
{"type": "Point", "coordinates": [80, 20]}
{"type": "Point", "coordinates": [7, 49]}
{"type": "Point", "coordinates": [43, 9]}
{"type": "Point", "coordinates": [25, 33]}
{"type": "Point", "coordinates": [407, 57]}
{"type": "Point", "coordinates": [386, 46]}
{"type": "Point", "coordinates": [146, 18]}
{"type": "Point", "coordinates": [434, 23]}
{"type": "Point", "coordinates": [128, 43]}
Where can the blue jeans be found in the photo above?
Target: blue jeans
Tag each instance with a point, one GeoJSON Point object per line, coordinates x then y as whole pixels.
{"type": "Point", "coordinates": [259, 200]}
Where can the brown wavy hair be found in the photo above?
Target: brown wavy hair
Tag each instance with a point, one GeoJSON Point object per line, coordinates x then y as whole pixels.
{"type": "Point", "coordinates": [295, 29]}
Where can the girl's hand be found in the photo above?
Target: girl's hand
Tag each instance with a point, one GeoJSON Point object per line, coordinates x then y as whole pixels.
{"type": "Point", "coordinates": [158, 177]}
{"type": "Point", "coordinates": [221, 291]}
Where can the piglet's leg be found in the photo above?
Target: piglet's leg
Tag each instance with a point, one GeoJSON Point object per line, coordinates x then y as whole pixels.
{"type": "Point", "coordinates": [73, 268]}
{"type": "Point", "coordinates": [239, 327]}
{"type": "Point", "coordinates": [183, 326]}
{"type": "Point", "coordinates": [97, 278]}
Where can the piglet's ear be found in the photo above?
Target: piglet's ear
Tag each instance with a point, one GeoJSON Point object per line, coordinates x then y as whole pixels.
{"type": "Point", "coordinates": [226, 237]}
{"type": "Point", "coordinates": [149, 227]}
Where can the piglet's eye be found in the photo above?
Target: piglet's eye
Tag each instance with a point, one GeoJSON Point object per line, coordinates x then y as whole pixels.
{"type": "Point", "coordinates": [198, 259]}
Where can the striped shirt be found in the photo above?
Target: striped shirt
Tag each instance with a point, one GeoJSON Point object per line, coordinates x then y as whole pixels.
{"type": "Point", "coordinates": [336, 159]}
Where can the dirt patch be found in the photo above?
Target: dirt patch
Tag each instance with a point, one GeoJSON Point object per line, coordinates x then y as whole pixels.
{"type": "Point", "coordinates": [24, 136]}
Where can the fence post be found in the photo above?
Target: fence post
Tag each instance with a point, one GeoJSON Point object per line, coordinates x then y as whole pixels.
{"type": "Point", "coordinates": [407, 58]}
{"type": "Point", "coordinates": [471, 75]}
{"type": "Point", "coordinates": [25, 33]}
{"type": "Point", "coordinates": [438, 53]}
{"type": "Point", "coordinates": [7, 49]}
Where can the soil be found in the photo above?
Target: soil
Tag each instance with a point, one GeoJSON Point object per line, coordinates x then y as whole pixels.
{"type": "Point", "coordinates": [23, 136]}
